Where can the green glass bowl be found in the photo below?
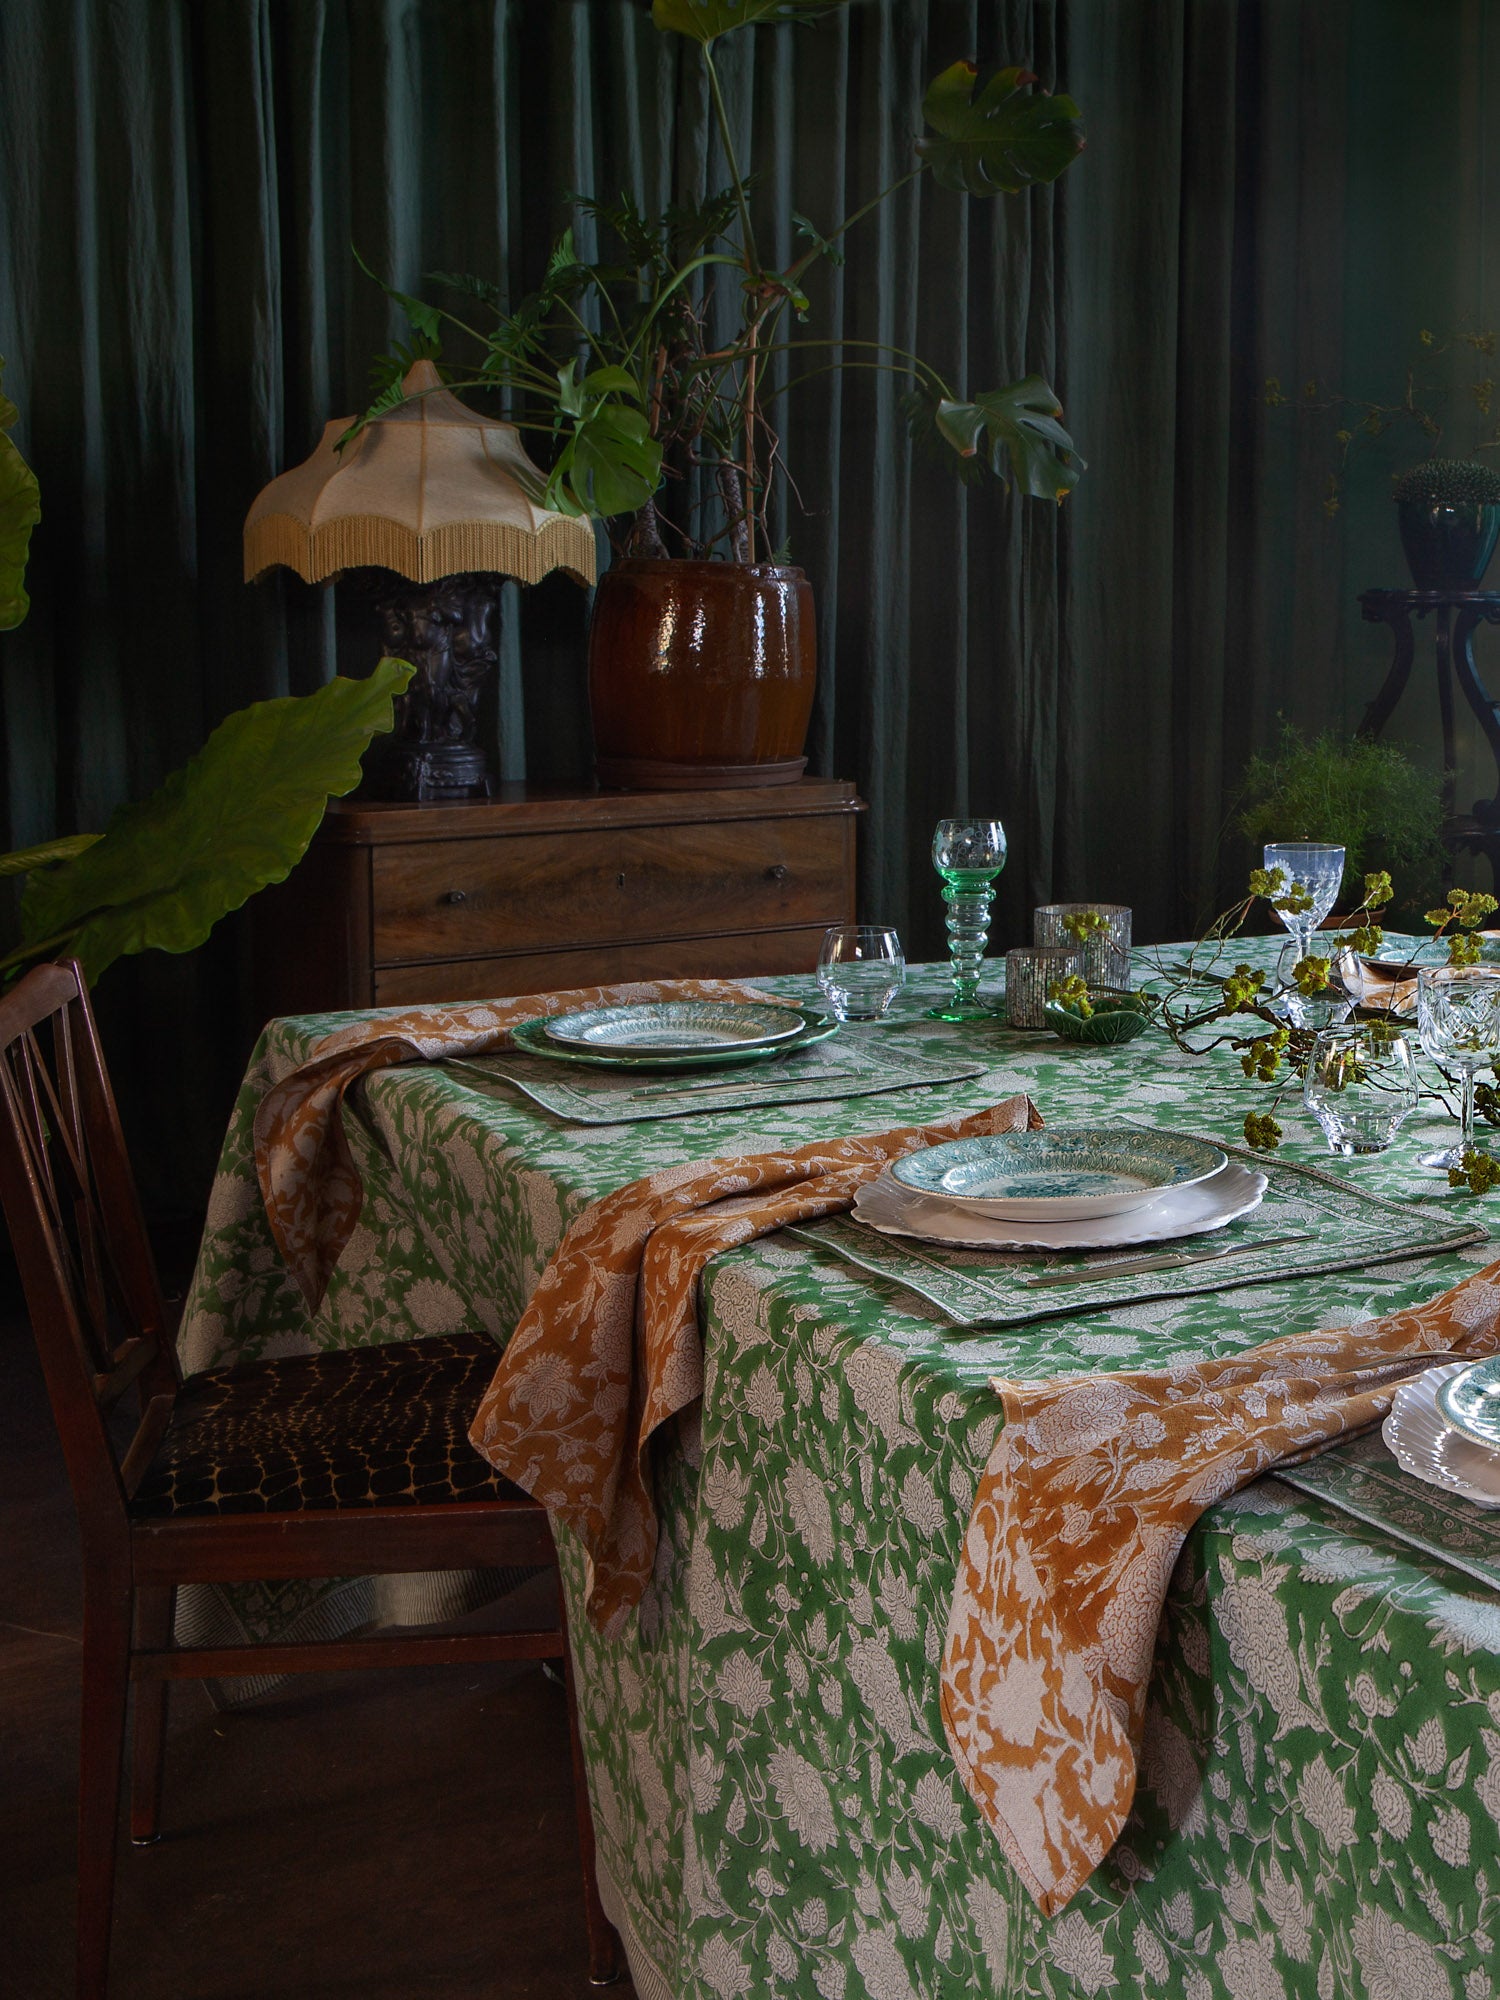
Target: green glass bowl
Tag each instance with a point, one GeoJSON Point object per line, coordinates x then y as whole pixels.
{"type": "Point", "coordinates": [1113, 1020]}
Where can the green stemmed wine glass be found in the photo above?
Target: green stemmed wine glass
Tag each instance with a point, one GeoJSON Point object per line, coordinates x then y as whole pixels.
{"type": "Point", "coordinates": [968, 854]}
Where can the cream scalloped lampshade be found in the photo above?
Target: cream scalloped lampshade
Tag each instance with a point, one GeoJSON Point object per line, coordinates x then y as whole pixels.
{"type": "Point", "coordinates": [432, 489]}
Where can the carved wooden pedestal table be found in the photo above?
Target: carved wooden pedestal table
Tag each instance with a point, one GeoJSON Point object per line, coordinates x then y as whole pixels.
{"type": "Point", "coordinates": [1456, 616]}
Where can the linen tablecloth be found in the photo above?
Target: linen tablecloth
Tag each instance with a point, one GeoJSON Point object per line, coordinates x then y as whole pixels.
{"type": "Point", "coordinates": [776, 1808]}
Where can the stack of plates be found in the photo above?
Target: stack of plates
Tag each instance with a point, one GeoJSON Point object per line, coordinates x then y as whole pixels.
{"type": "Point", "coordinates": [673, 1034]}
{"type": "Point", "coordinates": [1445, 1428]}
{"type": "Point", "coordinates": [1070, 1188]}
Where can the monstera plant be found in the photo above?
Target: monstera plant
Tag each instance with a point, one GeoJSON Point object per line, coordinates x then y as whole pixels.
{"type": "Point", "coordinates": [20, 510]}
{"type": "Point", "coordinates": [656, 373]}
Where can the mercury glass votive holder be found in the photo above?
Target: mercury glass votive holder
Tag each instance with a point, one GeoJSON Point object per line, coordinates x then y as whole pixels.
{"type": "Point", "coordinates": [1106, 953]}
{"type": "Point", "coordinates": [1029, 970]}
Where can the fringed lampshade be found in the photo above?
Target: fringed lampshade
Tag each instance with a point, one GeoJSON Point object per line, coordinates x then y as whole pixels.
{"type": "Point", "coordinates": [446, 498]}
{"type": "Point", "coordinates": [432, 489]}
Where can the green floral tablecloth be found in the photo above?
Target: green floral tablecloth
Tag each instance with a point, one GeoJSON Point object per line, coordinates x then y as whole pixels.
{"type": "Point", "coordinates": [776, 1809]}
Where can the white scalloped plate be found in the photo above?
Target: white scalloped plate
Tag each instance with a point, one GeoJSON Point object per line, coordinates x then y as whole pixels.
{"type": "Point", "coordinates": [885, 1205]}
{"type": "Point", "coordinates": [1428, 1447]}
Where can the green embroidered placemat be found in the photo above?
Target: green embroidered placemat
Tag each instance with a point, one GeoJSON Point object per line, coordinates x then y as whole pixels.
{"type": "Point", "coordinates": [848, 1065]}
{"type": "Point", "coordinates": [1344, 1227]}
{"type": "Point", "coordinates": [1362, 1479]}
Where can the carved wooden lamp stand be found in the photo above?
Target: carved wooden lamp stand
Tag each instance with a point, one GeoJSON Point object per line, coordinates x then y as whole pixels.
{"type": "Point", "coordinates": [435, 504]}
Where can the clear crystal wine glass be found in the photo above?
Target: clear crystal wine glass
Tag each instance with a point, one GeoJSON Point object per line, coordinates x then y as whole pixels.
{"type": "Point", "coordinates": [861, 969]}
{"type": "Point", "coordinates": [1312, 870]}
{"type": "Point", "coordinates": [1458, 1019]}
{"type": "Point", "coordinates": [968, 854]}
{"type": "Point", "coordinates": [1360, 1084]}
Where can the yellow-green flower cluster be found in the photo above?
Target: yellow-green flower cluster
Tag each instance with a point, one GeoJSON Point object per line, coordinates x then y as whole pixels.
{"type": "Point", "coordinates": [1262, 1133]}
{"type": "Point", "coordinates": [1263, 1057]}
{"type": "Point", "coordinates": [1242, 985]}
{"type": "Point", "coordinates": [1310, 975]}
{"type": "Point", "coordinates": [1081, 924]}
{"type": "Point", "coordinates": [1072, 993]}
{"type": "Point", "coordinates": [1479, 1172]}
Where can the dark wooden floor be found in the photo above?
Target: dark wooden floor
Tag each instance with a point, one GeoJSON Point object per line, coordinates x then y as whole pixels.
{"type": "Point", "coordinates": [373, 1836]}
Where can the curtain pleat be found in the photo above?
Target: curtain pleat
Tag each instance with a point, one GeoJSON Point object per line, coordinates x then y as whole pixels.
{"type": "Point", "coordinates": [1271, 187]}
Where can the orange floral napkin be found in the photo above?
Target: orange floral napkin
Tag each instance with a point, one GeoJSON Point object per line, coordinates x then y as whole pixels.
{"type": "Point", "coordinates": [609, 1347]}
{"type": "Point", "coordinates": [307, 1174]}
{"type": "Point", "coordinates": [1088, 1496]}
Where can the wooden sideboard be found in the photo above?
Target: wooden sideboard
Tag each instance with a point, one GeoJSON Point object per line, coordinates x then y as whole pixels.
{"type": "Point", "coordinates": [534, 890]}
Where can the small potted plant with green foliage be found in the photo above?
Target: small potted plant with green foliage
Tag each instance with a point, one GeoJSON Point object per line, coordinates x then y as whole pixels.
{"type": "Point", "coordinates": [1448, 511]}
{"type": "Point", "coordinates": [1447, 508]}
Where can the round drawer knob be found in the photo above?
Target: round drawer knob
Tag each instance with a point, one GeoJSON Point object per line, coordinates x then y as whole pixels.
{"type": "Point", "coordinates": [456, 896]}
{"type": "Point", "coordinates": [777, 871]}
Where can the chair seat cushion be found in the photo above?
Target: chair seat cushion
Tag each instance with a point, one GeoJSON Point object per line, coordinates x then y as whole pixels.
{"type": "Point", "coordinates": [359, 1427]}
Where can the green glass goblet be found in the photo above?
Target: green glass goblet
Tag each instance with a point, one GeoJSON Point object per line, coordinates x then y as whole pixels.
{"type": "Point", "coordinates": [968, 854]}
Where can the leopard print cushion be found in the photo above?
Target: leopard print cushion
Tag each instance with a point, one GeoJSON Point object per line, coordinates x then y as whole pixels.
{"type": "Point", "coordinates": [360, 1427]}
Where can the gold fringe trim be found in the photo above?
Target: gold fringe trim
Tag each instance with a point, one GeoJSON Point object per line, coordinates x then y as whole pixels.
{"type": "Point", "coordinates": [359, 540]}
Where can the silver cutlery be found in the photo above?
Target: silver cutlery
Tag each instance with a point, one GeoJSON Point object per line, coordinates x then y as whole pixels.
{"type": "Point", "coordinates": [1162, 1260]}
{"type": "Point", "coordinates": [778, 1082]}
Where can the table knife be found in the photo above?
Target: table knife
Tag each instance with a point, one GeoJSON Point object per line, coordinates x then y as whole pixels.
{"type": "Point", "coordinates": [781, 1081]}
{"type": "Point", "coordinates": [1162, 1260]}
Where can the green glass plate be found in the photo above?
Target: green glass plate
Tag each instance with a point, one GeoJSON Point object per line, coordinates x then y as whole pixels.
{"type": "Point", "coordinates": [532, 1037]}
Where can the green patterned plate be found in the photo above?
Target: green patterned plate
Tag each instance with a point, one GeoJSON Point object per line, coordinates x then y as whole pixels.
{"type": "Point", "coordinates": [1058, 1175]}
{"type": "Point", "coordinates": [675, 1027]}
{"type": "Point", "coordinates": [532, 1036]}
{"type": "Point", "coordinates": [1471, 1402]}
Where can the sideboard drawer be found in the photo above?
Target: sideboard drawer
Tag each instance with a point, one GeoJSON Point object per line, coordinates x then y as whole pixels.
{"type": "Point", "coordinates": [475, 898]}
{"type": "Point", "coordinates": [755, 956]}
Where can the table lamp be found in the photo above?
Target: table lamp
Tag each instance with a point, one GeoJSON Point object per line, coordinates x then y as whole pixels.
{"type": "Point", "coordinates": [446, 503]}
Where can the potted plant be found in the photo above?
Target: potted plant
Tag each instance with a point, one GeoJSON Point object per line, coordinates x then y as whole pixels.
{"type": "Point", "coordinates": [1368, 798]}
{"type": "Point", "coordinates": [656, 374]}
{"type": "Point", "coordinates": [1448, 511]}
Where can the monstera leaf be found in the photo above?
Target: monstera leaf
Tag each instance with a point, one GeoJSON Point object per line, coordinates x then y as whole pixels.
{"type": "Point", "coordinates": [237, 817]}
{"type": "Point", "coordinates": [705, 20]}
{"type": "Point", "coordinates": [608, 463]}
{"type": "Point", "coordinates": [1016, 427]}
{"type": "Point", "coordinates": [1000, 140]}
{"type": "Point", "coordinates": [20, 510]}
{"type": "Point", "coordinates": [21, 860]}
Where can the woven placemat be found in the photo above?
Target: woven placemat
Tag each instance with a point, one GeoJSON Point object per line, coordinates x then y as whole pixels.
{"type": "Point", "coordinates": [1344, 1226]}
{"type": "Point", "coordinates": [851, 1064]}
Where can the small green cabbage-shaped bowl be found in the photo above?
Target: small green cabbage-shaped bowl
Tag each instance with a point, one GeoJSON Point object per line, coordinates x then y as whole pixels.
{"type": "Point", "coordinates": [1117, 1017]}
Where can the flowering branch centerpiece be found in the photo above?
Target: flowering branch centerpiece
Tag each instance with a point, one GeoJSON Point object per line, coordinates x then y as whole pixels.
{"type": "Point", "coordinates": [1207, 1003]}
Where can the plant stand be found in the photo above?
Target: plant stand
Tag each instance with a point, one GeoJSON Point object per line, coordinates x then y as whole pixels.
{"type": "Point", "coordinates": [1457, 615]}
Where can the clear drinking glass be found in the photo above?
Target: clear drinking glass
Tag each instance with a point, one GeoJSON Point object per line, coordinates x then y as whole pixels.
{"type": "Point", "coordinates": [968, 854]}
{"type": "Point", "coordinates": [1314, 868]}
{"type": "Point", "coordinates": [861, 969]}
{"type": "Point", "coordinates": [1360, 1084]}
{"type": "Point", "coordinates": [1458, 1018]}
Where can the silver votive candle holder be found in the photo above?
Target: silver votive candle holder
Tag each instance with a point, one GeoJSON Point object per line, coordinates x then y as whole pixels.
{"type": "Point", "coordinates": [1106, 953]}
{"type": "Point", "coordinates": [1029, 970]}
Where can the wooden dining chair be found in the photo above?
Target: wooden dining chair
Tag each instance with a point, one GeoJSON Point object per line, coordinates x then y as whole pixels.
{"type": "Point", "coordinates": [319, 1465]}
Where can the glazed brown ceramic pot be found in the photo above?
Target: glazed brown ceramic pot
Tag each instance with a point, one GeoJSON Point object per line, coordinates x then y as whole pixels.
{"type": "Point", "coordinates": [701, 674]}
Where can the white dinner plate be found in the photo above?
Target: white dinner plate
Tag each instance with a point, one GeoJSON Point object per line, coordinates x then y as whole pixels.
{"type": "Point", "coordinates": [675, 1027]}
{"type": "Point", "coordinates": [885, 1205]}
{"type": "Point", "coordinates": [1431, 1449]}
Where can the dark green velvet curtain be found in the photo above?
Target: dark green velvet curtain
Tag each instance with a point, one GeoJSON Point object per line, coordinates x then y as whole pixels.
{"type": "Point", "coordinates": [1285, 187]}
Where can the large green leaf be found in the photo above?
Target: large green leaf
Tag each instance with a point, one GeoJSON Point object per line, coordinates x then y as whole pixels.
{"type": "Point", "coordinates": [21, 860]}
{"type": "Point", "coordinates": [20, 510]}
{"type": "Point", "coordinates": [234, 819]}
{"type": "Point", "coordinates": [607, 464]}
{"type": "Point", "coordinates": [704, 21]}
{"type": "Point", "coordinates": [1000, 140]}
{"type": "Point", "coordinates": [1016, 428]}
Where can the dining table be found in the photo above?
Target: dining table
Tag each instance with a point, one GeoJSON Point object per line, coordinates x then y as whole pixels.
{"type": "Point", "coordinates": [777, 1810]}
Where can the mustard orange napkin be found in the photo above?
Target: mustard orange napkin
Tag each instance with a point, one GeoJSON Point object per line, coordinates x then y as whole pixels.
{"type": "Point", "coordinates": [307, 1174]}
{"type": "Point", "coordinates": [1088, 1496]}
{"type": "Point", "coordinates": [609, 1347]}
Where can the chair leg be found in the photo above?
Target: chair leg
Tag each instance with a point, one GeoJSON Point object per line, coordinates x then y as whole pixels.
{"type": "Point", "coordinates": [106, 1682]}
{"type": "Point", "coordinates": [153, 1629]}
{"type": "Point", "coordinates": [603, 1941]}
